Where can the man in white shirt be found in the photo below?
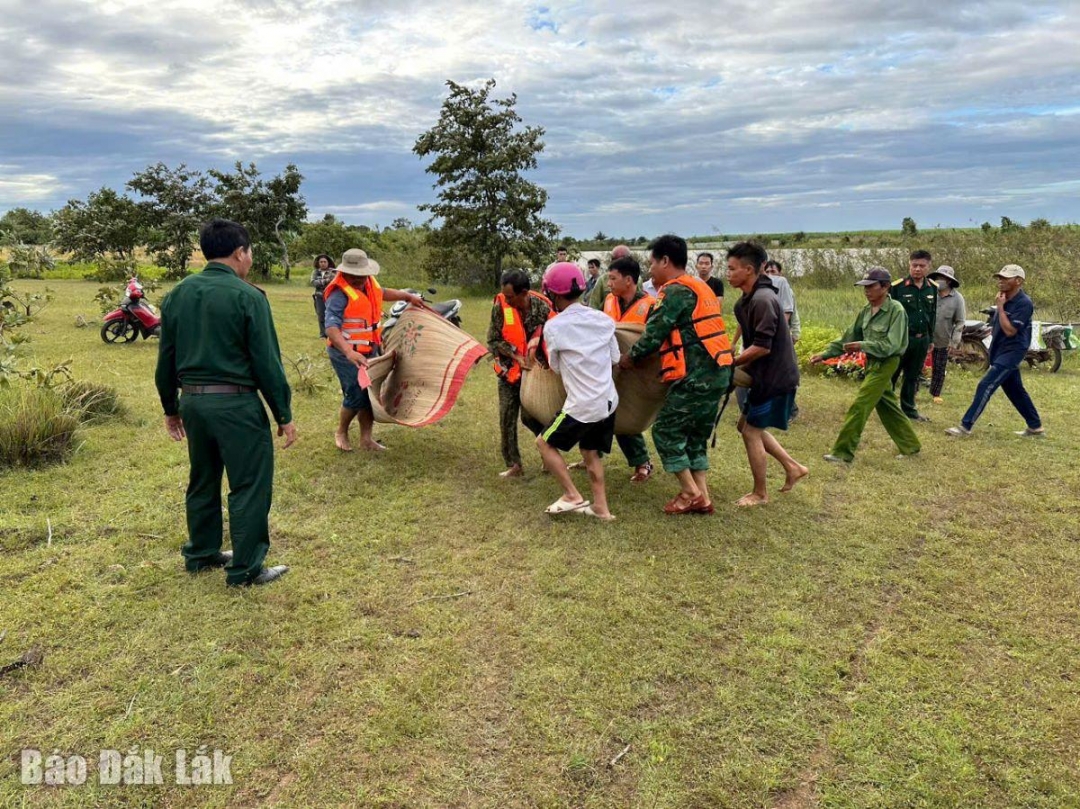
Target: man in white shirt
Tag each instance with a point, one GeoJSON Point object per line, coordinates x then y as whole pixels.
{"type": "Point", "coordinates": [581, 348]}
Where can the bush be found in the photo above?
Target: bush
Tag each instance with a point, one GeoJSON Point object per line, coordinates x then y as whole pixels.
{"type": "Point", "coordinates": [91, 401]}
{"type": "Point", "coordinates": [36, 428]}
{"type": "Point", "coordinates": [814, 340]}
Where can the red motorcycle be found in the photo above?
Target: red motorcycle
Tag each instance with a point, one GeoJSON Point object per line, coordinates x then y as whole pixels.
{"type": "Point", "coordinates": [132, 318]}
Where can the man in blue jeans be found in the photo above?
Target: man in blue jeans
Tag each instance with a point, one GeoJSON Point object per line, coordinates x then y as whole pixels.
{"type": "Point", "coordinates": [1008, 345]}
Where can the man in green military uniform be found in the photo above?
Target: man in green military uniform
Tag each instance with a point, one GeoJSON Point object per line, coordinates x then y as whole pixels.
{"type": "Point", "coordinates": [508, 342]}
{"type": "Point", "coordinates": [220, 349]}
{"type": "Point", "coordinates": [881, 332]}
{"type": "Point", "coordinates": [600, 291]}
{"type": "Point", "coordinates": [682, 428]}
{"type": "Point", "coordinates": [918, 295]}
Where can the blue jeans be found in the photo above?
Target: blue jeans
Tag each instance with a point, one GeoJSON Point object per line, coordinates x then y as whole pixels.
{"type": "Point", "coordinates": [353, 397]}
{"type": "Point", "coordinates": [1006, 377]}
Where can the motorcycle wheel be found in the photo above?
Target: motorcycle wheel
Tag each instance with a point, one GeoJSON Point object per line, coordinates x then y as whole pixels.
{"type": "Point", "coordinates": [1056, 363]}
{"type": "Point", "coordinates": [972, 355]}
{"type": "Point", "coordinates": [119, 331]}
{"type": "Point", "coordinates": [1048, 359]}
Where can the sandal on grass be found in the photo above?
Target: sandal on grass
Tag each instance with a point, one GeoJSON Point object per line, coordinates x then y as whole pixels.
{"type": "Point", "coordinates": [564, 506]}
{"type": "Point", "coordinates": [683, 503]}
{"type": "Point", "coordinates": [642, 473]}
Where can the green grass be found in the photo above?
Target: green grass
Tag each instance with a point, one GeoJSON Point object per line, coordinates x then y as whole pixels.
{"type": "Point", "coordinates": [900, 633]}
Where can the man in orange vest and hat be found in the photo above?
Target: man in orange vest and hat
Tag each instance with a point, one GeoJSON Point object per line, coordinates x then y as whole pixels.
{"type": "Point", "coordinates": [626, 303]}
{"type": "Point", "coordinates": [686, 327]}
{"type": "Point", "coordinates": [353, 309]}
{"type": "Point", "coordinates": [517, 316]}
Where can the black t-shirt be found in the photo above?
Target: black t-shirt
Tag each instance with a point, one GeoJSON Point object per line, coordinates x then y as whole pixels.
{"type": "Point", "coordinates": [763, 324]}
{"type": "Point", "coordinates": [717, 286]}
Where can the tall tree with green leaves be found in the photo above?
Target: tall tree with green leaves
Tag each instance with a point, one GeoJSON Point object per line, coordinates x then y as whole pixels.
{"type": "Point", "coordinates": [271, 210]}
{"type": "Point", "coordinates": [175, 203]}
{"type": "Point", "coordinates": [106, 226]}
{"type": "Point", "coordinates": [488, 210]}
{"type": "Point", "coordinates": [23, 226]}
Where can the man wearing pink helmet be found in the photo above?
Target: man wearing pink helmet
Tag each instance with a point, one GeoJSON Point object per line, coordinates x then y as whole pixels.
{"type": "Point", "coordinates": [581, 348]}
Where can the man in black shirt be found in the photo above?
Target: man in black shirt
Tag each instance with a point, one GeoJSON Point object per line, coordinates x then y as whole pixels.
{"type": "Point", "coordinates": [704, 268]}
{"type": "Point", "coordinates": [769, 357]}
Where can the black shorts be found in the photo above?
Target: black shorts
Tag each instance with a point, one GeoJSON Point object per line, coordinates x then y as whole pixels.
{"type": "Point", "coordinates": [566, 432]}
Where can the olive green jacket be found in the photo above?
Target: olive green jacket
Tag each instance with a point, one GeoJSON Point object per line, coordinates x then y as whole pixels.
{"type": "Point", "coordinates": [883, 334]}
{"type": "Point", "coordinates": [216, 329]}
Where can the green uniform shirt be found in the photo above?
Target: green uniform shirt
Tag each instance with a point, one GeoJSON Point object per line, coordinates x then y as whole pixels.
{"type": "Point", "coordinates": [599, 292]}
{"type": "Point", "coordinates": [920, 303]}
{"type": "Point", "coordinates": [675, 310]}
{"type": "Point", "coordinates": [534, 319]}
{"type": "Point", "coordinates": [883, 334]}
{"type": "Point", "coordinates": [217, 330]}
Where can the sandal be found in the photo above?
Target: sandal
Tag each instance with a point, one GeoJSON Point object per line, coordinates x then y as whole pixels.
{"type": "Point", "coordinates": [588, 512]}
{"type": "Point", "coordinates": [708, 508]}
{"type": "Point", "coordinates": [684, 504]}
{"type": "Point", "coordinates": [564, 506]}
{"type": "Point", "coordinates": [642, 473]}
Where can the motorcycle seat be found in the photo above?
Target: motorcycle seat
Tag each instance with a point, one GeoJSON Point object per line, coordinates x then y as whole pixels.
{"type": "Point", "coordinates": [444, 307]}
{"type": "Point", "coordinates": [974, 324]}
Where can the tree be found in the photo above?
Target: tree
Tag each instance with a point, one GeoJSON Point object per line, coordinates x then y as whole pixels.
{"type": "Point", "coordinates": [1039, 224]}
{"type": "Point", "coordinates": [331, 236]}
{"type": "Point", "coordinates": [1009, 226]}
{"type": "Point", "coordinates": [488, 210]}
{"type": "Point", "coordinates": [908, 228]}
{"type": "Point", "coordinates": [175, 205]}
{"type": "Point", "coordinates": [106, 226]}
{"type": "Point", "coordinates": [23, 226]}
{"type": "Point", "coordinates": [986, 227]}
{"type": "Point", "coordinates": [271, 210]}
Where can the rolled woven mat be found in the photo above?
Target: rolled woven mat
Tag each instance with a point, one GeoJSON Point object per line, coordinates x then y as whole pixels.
{"type": "Point", "coordinates": [641, 393]}
{"type": "Point", "coordinates": [420, 374]}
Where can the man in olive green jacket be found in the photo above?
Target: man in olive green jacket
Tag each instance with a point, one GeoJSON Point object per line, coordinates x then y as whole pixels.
{"type": "Point", "coordinates": [220, 349]}
{"type": "Point", "coordinates": [881, 332]}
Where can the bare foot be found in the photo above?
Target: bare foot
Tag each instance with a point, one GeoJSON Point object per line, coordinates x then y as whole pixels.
{"type": "Point", "coordinates": [341, 440]}
{"type": "Point", "coordinates": [371, 445]}
{"type": "Point", "coordinates": [800, 472]}
{"type": "Point", "coordinates": [514, 471]}
{"type": "Point", "coordinates": [751, 499]}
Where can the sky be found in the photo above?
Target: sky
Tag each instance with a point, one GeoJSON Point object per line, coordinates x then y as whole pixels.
{"type": "Point", "coordinates": [697, 118]}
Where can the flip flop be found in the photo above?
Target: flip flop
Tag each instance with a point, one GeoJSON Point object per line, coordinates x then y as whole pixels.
{"type": "Point", "coordinates": [588, 512]}
{"type": "Point", "coordinates": [563, 506]}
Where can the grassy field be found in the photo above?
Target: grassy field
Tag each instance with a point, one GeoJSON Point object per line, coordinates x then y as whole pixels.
{"type": "Point", "coordinates": [893, 634]}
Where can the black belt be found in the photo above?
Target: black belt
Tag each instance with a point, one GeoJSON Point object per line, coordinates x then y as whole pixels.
{"type": "Point", "coordinates": [194, 390]}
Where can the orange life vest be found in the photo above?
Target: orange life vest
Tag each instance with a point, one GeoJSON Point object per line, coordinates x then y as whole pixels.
{"type": "Point", "coordinates": [513, 331]}
{"type": "Point", "coordinates": [635, 313]}
{"type": "Point", "coordinates": [363, 309]}
{"type": "Point", "coordinates": [708, 325]}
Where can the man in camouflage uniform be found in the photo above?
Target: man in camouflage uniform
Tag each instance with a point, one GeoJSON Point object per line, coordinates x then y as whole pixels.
{"type": "Point", "coordinates": [918, 295]}
{"type": "Point", "coordinates": [682, 428]}
{"type": "Point", "coordinates": [533, 312]}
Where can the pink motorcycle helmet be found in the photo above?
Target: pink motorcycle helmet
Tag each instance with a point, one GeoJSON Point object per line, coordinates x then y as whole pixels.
{"type": "Point", "coordinates": [563, 278]}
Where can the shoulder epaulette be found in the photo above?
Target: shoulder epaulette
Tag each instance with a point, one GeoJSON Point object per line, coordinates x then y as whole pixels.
{"type": "Point", "coordinates": [898, 281]}
{"type": "Point", "coordinates": [933, 283]}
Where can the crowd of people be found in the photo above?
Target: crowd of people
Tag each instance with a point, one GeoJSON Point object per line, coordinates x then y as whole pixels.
{"type": "Point", "coordinates": [219, 352]}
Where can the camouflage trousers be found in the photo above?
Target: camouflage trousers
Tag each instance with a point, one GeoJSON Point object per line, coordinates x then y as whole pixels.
{"type": "Point", "coordinates": [681, 431]}
{"type": "Point", "coordinates": [509, 409]}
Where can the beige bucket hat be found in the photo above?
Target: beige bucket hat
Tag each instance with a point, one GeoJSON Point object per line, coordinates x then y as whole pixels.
{"type": "Point", "coordinates": [356, 262]}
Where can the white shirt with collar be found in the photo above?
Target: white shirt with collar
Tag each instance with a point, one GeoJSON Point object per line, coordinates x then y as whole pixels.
{"type": "Point", "coordinates": [582, 349]}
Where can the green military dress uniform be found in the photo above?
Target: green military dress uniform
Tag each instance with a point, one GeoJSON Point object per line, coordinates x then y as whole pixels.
{"type": "Point", "coordinates": [884, 338]}
{"type": "Point", "coordinates": [216, 329]}
{"type": "Point", "coordinates": [682, 428]}
{"type": "Point", "coordinates": [920, 304]}
{"type": "Point", "coordinates": [510, 394]}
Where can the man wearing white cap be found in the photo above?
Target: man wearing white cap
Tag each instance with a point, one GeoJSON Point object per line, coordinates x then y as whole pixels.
{"type": "Point", "coordinates": [353, 310]}
{"type": "Point", "coordinates": [1008, 345]}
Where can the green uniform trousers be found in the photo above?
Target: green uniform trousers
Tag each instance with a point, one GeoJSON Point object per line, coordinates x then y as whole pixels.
{"type": "Point", "coordinates": [509, 410]}
{"type": "Point", "coordinates": [230, 433]}
{"type": "Point", "coordinates": [682, 428]}
{"type": "Point", "coordinates": [911, 368]}
{"type": "Point", "coordinates": [876, 393]}
{"type": "Point", "coordinates": [634, 448]}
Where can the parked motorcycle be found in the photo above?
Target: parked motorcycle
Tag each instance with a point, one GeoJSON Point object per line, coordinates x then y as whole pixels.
{"type": "Point", "coordinates": [974, 351]}
{"type": "Point", "coordinates": [451, 310]}
{"type": "Point", "coordinates": [132, 318]}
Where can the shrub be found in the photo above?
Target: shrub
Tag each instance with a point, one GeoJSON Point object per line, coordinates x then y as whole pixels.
{"type": "Point", "coordinates": [813, 340]}
{"type": "Point", "coordinates": [92, 401]}
{"type": "Point", "coordinates": [36, 428]}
